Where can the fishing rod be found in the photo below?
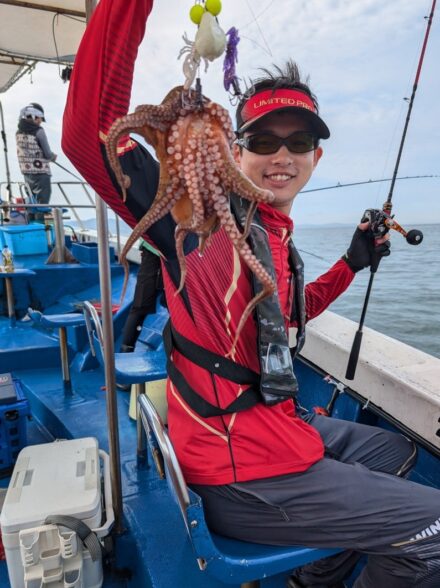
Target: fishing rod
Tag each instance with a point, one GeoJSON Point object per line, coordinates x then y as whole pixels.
{"type": "Point", "coordinates": [68, 171]}
{"type": "Point", "coordinates": [381, 221]}
{"type": "Point", "coordinates": [8, 174]}
{"type": "Point", "coordinates": [339, 185]}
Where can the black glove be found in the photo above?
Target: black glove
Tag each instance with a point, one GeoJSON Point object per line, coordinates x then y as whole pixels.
{"type": "Point", "coordinates": [362, 252]}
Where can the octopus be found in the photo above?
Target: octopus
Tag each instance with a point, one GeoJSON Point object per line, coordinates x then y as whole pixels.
{"type": "Point", "coordinates": [192, 136]}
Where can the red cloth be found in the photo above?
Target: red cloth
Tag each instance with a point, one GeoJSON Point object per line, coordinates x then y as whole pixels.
{"type": "Point", "coordinates": [256, 443]}
{"type": "Point", "coordinates": [2, 549]}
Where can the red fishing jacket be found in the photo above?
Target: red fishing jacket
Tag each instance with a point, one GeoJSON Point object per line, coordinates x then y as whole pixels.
{"type": "Point", "coordinates": [259, 442]}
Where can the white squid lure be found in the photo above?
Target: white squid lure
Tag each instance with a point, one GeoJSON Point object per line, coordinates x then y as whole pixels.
{"type": "Point", "coordinates": [209, 43]}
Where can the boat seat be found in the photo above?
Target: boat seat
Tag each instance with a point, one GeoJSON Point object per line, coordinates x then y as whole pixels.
{"type": "Point", "coordinates": [228, 560]}
{"type": "Point", "coordinates": [151, 333]}
{"type": "Point", "coordinates": [135, 368]}
{"type": "Point", "coordinates": [60, 322]}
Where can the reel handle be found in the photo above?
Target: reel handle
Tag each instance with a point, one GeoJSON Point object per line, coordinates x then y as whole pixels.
{"type": "Point", "coordinates": [381, 222]}
{"type": "Point", "coordinates": [413, 237]}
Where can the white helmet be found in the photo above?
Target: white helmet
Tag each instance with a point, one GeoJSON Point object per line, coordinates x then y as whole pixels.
{"type": "Point", "coordinates": [34, 110]}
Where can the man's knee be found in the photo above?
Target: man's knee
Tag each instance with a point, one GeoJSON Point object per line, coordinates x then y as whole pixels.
{"type": "Point", "coordinates": [391, 453]}
{"type": "Point", "coordinates": [409, 456]}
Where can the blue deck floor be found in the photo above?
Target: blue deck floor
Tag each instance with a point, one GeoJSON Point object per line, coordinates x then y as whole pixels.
{"type": "Point", "coordinates": [157, 534]}
{"type": "Point", "coordinates": [154, 546]}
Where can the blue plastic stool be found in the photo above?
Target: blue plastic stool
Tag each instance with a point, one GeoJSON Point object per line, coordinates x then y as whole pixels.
{"type": "Point", "coordinates": [135, 368]}
{"type": "Point", "coordinates": [228, 560]}
{"type": "Point", "coordinates": [60, 322]}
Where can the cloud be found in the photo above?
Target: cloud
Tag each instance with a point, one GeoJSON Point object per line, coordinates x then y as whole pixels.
{"type": "Point", "coordinates": [361, 58]}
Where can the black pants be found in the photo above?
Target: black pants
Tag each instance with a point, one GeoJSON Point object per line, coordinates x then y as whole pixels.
{"type": "Point", "coordinates": [148, 286]}
{"type": "Point", "coordinates": [351, 499]}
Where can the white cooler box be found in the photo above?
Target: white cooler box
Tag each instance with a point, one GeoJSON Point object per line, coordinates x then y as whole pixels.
{"type": "Point", "coordinates": [60, 478]}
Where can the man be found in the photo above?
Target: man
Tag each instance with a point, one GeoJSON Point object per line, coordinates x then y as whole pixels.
{"type": "Point", "coordinates": [267, 472]}
{"type": "Point", "coordinates": [34, 155]}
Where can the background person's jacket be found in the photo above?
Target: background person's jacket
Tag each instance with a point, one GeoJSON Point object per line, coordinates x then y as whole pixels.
{"type": "Point", "coordinates": [33, 151]}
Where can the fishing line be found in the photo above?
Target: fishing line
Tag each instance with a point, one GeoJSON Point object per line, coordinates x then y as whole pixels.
{"type": "Point", "coordinates": [259, 28]}
{"type": "Point", "coordinates": [256, 44]}
{"type": "Point", "coordinates": [68, 171]}
{"type": "Point", "coordinates": [314, 255]}
{"type": "Point", "coordinates": [339, 185]}
{"type": "Point", "coordinates": [258, 15]}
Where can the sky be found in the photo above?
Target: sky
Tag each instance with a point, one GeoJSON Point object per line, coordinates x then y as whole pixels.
{"type": "Point", "coordinates": [361, 58]}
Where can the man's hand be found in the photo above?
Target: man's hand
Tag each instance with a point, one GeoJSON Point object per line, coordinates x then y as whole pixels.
{"type": "Point", "coordinates": [365, 250]}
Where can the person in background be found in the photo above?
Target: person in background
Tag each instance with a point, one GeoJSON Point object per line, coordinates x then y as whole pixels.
{"type": "Point", "coordinates": [34, 155]}
{"type": "Point", "coordinates": [148, 286]}
{"type": "Point", "coordinates": [267, 471]}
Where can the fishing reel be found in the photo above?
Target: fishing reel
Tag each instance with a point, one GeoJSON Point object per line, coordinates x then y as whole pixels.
{"type": "Point", "coordinates": [381, 222]}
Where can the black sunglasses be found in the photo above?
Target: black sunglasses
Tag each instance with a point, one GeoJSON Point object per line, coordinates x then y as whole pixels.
{"type": "Point", "coordinates": [266, 144]}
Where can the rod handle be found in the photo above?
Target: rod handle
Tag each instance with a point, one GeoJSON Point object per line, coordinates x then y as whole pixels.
{"type": "Point", "coordinates": [354, 356]}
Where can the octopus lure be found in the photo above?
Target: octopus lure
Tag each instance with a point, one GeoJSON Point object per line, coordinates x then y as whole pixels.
{"type": "Point", "coordinates": [192, 137]}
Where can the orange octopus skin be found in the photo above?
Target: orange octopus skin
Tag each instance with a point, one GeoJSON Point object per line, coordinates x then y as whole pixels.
{"type": "Point", "coordinates": [192, 139]}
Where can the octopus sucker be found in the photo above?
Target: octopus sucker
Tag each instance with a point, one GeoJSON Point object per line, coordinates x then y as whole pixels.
{"type": "Point", "coordinates": [192, 138]}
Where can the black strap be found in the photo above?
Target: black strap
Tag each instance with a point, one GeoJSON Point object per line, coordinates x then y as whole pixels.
{"type": "Point", "coordinates": [84, 532]}
{"type": "Point", "coordinates": [298, 312]}
{"type": "Point", "coordinates": [215, 364]}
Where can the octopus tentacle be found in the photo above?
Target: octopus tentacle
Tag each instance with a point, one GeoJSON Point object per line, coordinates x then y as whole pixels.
{"type": "Point", "coordinates": [131, 123]}
{"type": "Point", "coordinates": [237, 182]}
{"type": "Point", "coordinates": [122, 126]}
{"type": "Point", "coordinates": [208, 228]}
{"type": "Point", "coordinates": [157, 211]}
{"type": "Point", "coordinates": [180, 234]}
{"type": "Point", "coordinates": [256, 268]}
{"type": "Point", "coordinates": [248, 221]}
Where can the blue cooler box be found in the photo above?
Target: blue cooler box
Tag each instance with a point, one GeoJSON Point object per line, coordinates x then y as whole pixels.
{"type": "Point", "coordinates": [14, 411]}
{"type": "Point", "coordinates": [26, 239]}
{"type": "Point", "coordinates": [88, 252]}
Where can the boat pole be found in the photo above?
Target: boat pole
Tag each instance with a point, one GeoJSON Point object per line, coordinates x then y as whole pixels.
{"type": "Point", "coordinates": [8, 173]}
{"type": "Point", "coordinates": [109, 348]}
{"type": "Point", "coordinates": [383, 221]}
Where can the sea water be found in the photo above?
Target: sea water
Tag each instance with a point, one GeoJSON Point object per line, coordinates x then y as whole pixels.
{"type": "Point", "coordinates": [405, 297]}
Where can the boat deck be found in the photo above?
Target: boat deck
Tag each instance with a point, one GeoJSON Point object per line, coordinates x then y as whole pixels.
{"type": "Point", "coordinates": [153, 551]}
{"type": "Point", "coordinates": [32, 355]}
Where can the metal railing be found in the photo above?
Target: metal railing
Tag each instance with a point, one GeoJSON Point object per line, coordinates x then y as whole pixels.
{"type": "Point", "coordinates": [24, 195]}
{"type": "Point", "coordinates": [60, 199]}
